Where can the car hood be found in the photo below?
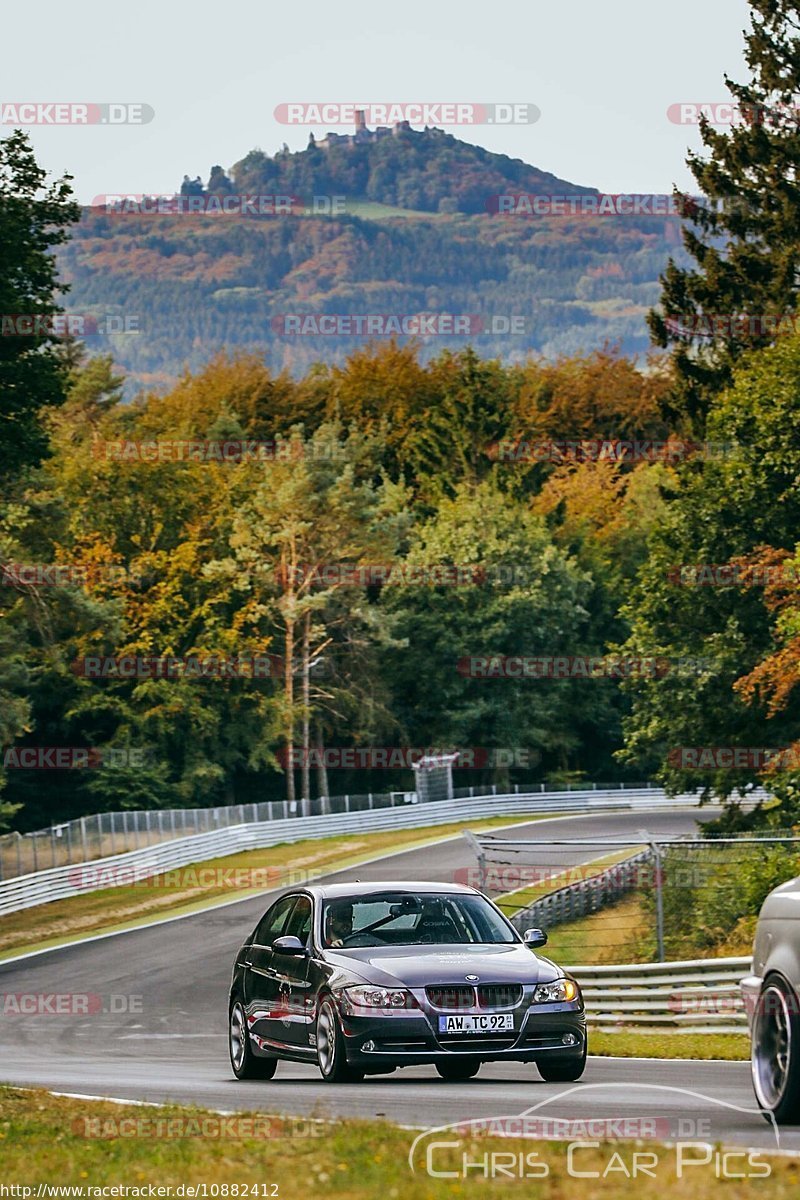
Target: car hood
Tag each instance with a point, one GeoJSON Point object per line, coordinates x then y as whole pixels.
{"type": "Point", "coordinates": [417, 966]}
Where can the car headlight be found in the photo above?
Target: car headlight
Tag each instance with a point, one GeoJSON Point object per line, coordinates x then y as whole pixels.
{"type": "Point", "coordinates": [556, 992]}
{"type": "Point", "coordinates": [363, 996]}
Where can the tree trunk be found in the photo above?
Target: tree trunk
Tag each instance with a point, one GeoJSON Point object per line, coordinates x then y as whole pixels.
{"type": "Point", "coordinates": [288, 667]}
{"type": "Point", "coordinates": [322, 773]}
{"type": "Point", "coordinates": [305, 786]}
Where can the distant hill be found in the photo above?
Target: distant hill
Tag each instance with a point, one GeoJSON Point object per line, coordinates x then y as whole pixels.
{"type": "Point", "coordinates": [416, 236]}
{"type": "Point", "coordinates": [428, 171]}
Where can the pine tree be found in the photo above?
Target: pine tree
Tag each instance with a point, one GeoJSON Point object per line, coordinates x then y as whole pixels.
{"type": "Point", "coordinates": [745, 235]}
{"type": "Point", "coordinates": [35, 213]}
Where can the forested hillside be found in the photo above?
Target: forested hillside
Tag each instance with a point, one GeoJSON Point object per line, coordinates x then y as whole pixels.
{"type": "Point", "coordinates": [182, 285]}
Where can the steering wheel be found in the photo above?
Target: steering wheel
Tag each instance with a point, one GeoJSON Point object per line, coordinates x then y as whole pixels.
{"type": "Point", "coordinates": [372, 939]}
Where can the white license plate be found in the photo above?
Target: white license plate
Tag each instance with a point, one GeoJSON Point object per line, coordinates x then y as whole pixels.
{"type": "Point", "coordinates": [485, 1023]}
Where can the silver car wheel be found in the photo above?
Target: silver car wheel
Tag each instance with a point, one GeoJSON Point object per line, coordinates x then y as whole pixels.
{"type": "Point", "coordinates": [238, 1034]}
{"type": "Point", "coordinates": [772, 1047]}
{"type": "Point", "coordinates": [326, 1038]}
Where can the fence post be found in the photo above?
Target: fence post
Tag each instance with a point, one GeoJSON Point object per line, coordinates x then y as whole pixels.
{"type": "Point", "coordinates": [477, 850]}
{"type": "Point", "coordinates": [659, 901]}
{"type": "Point", "coordinates": [347, 803]}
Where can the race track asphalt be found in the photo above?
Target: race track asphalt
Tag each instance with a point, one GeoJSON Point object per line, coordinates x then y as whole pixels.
{"type": "Point", "coordinates": [167, 1041]}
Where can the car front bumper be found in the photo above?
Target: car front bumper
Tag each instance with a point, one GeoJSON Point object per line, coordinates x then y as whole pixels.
{"type": "Point", "coordinates": [412, 1037]}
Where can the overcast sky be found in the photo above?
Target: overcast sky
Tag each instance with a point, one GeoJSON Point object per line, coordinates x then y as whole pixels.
{"type": "Point", "coordinates": [602, 74]}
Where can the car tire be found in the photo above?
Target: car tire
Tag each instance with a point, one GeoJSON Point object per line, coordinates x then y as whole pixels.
{"type": "Point", "coordinates": [331, 1052]}
{"type": "Point", "coordinates": [563, 1068]}
{"type": "Point", "coordinates": [244, 1063]}
{"type": "Point", "coordinates": [458, 1070]}
{"type": "Point", "coordinates": [775, 1051]}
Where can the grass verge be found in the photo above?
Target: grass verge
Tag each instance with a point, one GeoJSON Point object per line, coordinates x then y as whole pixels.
{"type": "Point", "coordinates": [44, 1141]}
{"type": "Point", "coordinates": [619, 933]}
{"type": "Point", "coordinates": [634, 1043]}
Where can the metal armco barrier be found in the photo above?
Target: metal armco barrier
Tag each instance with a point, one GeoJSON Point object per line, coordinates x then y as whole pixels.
{"type": "Point", "coordinates": [698, 996]}
{"type": "Point", "coordinates": [576, 900]}
{"type": "Point", "coordinates": [59, 883]}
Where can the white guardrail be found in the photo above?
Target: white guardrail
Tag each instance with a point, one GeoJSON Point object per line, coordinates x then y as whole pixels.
{"type": "Point", "coordinates": [699, 996]}
{"type": "Point", "coordinates": [59, 883]}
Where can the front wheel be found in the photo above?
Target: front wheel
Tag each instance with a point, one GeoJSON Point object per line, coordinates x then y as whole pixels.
{"type": "Point", "coordinates": [565, 1069]}
{"type": "Point", "coordinates": [244, 1062]}
{"type": "Point", "coordinates": [459, 1070]}
{"type": "Point", "coordinates": [331, 1056]}
{"type": "Point", "coordinates": [775, 1052]}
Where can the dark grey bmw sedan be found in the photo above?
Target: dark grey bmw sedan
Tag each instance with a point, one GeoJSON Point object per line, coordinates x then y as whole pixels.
{"type": "Point", "coordinates": [364, 978]}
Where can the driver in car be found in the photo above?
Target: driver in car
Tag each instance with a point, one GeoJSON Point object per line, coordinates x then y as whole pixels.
{"type": "Point", "coordinates": [340, 923]}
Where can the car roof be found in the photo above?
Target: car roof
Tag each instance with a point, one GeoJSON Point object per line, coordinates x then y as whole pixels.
{"type": "Point", "coordinates": [338, 891]}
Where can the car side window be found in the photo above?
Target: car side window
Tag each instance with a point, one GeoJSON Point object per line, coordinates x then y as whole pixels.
{"type": "Point", "coordinates": [273, 921]}
{"type": "Point", "coordinates": [300, 921]}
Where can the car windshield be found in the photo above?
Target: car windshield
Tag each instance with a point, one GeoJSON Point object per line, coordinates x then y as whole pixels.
{"type": "Point", "coordinates": [400, 919]}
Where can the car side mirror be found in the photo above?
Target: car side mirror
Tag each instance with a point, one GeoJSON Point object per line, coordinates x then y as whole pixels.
{"type": "Point", "coordinates": [534, 938]}
{"type": "Point", "coordinates": [289, 945]}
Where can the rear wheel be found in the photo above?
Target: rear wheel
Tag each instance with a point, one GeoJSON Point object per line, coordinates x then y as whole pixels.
{"type": "Point", "coordinates": [459, 1069]}
{"type": "Point", "coordinates": [775, 1052]}
{"type": "Point", "coordinates": [563, 1069]}
{"type": "Point", "coordinates": [243, 1060]}
{"type": "Point", "coordinates": [331, 1056]}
